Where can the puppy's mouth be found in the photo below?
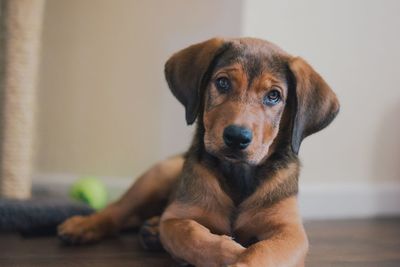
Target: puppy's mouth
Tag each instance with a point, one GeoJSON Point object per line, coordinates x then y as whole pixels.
{"type": "Point", "coordinates": [233, 156]}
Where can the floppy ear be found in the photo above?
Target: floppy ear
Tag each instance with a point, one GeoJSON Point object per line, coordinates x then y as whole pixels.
{"type": "Point", "coordinates": [316, 103]}
{"type": "Point", "coordinates": [185, 72]}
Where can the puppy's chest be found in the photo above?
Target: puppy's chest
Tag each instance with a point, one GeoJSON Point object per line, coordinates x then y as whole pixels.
{"type": "Point", "coordinates": [239, 183]}
{"type": "Point", "coordinates": [238, 223]}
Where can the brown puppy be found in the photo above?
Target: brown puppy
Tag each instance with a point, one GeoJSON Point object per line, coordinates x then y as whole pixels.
{"type": "Point", "coordinates": [232, 196]}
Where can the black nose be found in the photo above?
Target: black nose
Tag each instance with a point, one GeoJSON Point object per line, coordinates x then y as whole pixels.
{"type": "Point", "coordinates": [237, 137]}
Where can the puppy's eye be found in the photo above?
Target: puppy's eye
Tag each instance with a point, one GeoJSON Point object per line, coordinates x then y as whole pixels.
{"type": "Point", "coordinates": [223, 85]}
{"type": "Point", "coordinates": [272, 98]}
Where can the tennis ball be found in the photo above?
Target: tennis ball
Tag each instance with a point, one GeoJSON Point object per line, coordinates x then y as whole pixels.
{"type": "Point", "coordinates": [91, 191]}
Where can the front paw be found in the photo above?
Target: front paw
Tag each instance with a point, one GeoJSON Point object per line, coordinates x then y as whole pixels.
{"type": "Point", "coordinates": [229, 251]}
{"type": "Point", "coordinates": [85, 229]}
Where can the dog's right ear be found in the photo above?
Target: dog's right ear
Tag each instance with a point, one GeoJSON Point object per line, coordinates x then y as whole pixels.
{"type": "Point", "coordinates": [185, 72]}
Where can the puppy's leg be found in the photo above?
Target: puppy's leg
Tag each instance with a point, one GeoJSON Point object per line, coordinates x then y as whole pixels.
{"type": "Point", "coordinates": [283, 241]}
{"type": "Point", "coordinates": [149, 234]}
{"type": "Point", "coordinates": [287, 248]}
{"type": "Point", "coordinates": [190, 241]}
{"type": "Point", "coordinates": [146, 198]}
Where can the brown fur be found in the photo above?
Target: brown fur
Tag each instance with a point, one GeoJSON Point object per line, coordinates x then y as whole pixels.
{"type": "Point", "coordinates": [227, 207]}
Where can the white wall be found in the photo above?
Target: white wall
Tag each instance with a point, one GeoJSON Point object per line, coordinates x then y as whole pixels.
{"type": "Point", "coordinates": [104, 107]}
{"type": "Point", "coordinates": [355, 46]}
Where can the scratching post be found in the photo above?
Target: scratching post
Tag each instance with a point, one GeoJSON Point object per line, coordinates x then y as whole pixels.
{"type": "Point", "coordinates": [20, 30]}
{"type": "Point", "coordinates": [20, 27]}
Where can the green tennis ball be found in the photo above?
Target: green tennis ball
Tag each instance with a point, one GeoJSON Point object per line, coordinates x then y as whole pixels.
{"type": "Point", "coordinates": [91, 191]}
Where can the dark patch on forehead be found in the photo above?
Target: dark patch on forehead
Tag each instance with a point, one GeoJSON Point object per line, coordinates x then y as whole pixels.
{"type": "Point", "coordinates": [254, 60]}
{"type": "Point", "coordinates": [253, 66]}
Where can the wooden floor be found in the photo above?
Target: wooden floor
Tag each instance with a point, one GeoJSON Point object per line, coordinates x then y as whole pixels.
{"type": "Point", "coordinates": [361, 243]}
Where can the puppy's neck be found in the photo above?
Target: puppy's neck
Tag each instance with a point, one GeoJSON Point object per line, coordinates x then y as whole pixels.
{"type": "Point", "coordinates": [239, 180]}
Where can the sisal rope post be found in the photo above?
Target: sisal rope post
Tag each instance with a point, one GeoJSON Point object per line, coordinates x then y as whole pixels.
{"type": "Point", "coordinates": [20, 32]}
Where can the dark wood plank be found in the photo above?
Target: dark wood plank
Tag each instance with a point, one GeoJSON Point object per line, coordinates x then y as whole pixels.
{"type": "Point", "coordinates": [48, 251]}
{"type": "Point", "coordinates": [355, 243]}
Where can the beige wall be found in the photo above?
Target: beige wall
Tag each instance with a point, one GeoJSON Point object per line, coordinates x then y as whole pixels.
{"type": "Point", "coordinates": [355, 46]}
{"type": "Point", "coordinates": [105, 108]}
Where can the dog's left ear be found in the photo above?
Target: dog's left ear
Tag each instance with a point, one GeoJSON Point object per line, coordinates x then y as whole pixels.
{"type": "Point", "coordinates": [185, 73]}
{"type": "Point", "coordinates": [316, 104]}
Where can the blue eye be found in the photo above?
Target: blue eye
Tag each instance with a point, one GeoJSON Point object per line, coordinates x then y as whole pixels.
{"type": "Point", "coordinates": [223, 85]}
{"type": "Point", "coordinates": [272, 98]}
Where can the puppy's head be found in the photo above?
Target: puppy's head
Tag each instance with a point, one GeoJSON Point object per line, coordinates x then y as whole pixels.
{"type": "Point", "coordinates": [247, 93]}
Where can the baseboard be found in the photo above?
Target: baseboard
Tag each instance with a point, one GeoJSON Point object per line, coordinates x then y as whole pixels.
{"type": "Point", "coordinates": [317, 201]}
{"type": "Point", "coordinates": [355, 200]}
